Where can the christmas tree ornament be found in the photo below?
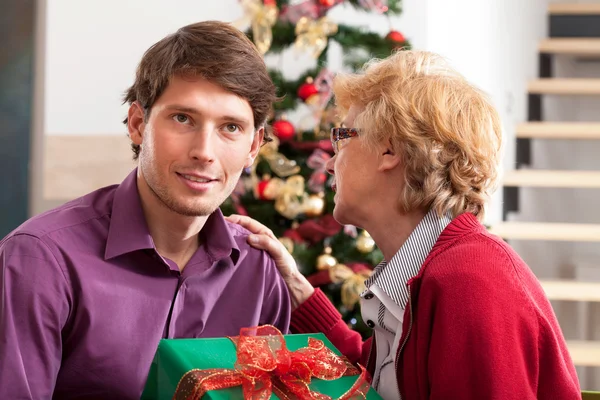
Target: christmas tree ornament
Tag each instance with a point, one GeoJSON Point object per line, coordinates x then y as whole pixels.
{"type": "Point", "coordinates": [365, 243]}
{"type": "Point", "coordinates": [287, 243]}
{"type": "Point", "coordinates": [379, 6]}
{"type": "Point", "coordinates": [317, 161]}
{"type": "Point", "coordinates": [324, 83]}
{"type": "Point", "coordinates": [290, 196]}
{"type": "Point", "coordinates": [279, 164]}
{"type": "Point", "coordinates": [262, 17]}
{"type": "Point", "coordinates": [353, 283]}
{"type": "Point", "coordinates": [307, 89]}
{"type": "Point", "coordinates": [312, 35]}
{"type": "Point", "coordinates": [326, 260]}
{"type": "Point", "coordinates": [283, 129]}
{"type": "Point", "coordinates": [327, 3]}
{"type": "Point", "coordinates": [315, 205]}
{"type": "Point", "coordinates": [261, 188]}
{"type": "Point", "coordinates": [304, 8]}
{"type": "Point", "coordinates": [351, 231]}
{"type": "Point", "coordinates": [396, 38]}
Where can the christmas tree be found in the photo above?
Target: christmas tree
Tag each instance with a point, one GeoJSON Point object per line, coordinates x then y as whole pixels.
{"type": "Point", "coordinates": [287, 188]}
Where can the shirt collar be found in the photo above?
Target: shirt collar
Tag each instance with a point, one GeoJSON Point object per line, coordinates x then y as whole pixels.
{"type": "Point", "coordinates": [128, 230]}
{"type": "Point", "coordinates": [391, 277]}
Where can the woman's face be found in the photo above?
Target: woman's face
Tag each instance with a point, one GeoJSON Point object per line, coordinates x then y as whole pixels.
{"type": "Point", "coordinates": [354, 167]}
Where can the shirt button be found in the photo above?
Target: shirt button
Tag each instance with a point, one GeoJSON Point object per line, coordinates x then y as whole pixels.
{"type": "Point", "coordinates": [369, 296]}
{"type": "Point", "coordinates": [370, 324]}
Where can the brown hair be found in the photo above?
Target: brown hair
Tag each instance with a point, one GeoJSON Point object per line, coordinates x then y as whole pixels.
{"type": "Point", "coordinates": [215, 51]}
{"type": "Point", "coordinates": [448, 131]}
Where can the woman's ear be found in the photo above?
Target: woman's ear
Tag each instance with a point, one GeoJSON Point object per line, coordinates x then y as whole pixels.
{"type": "Point", "coordinates": [389, 158]}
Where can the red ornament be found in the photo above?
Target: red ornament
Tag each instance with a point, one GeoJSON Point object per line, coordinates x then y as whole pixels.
{"type": "Point", "coordinates": [269, 3]}
{"type": "Point", "coordinates": [327, 3]}
{"type": "Point", "coordinates": [396, 37]}
{"type": "Point", "coordinates": [307, 89]}
{"type": "Point", "coordinates": [261, 186]}
{"type": "Point", "coordinates": [284, 130]}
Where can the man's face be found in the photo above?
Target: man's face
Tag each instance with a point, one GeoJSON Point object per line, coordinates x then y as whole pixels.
{"type": "Point", "coordinates": [194, 145]}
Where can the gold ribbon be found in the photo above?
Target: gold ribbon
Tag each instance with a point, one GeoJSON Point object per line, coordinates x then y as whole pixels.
{"type": "Point", "coordinates": [353, 284]}
{"type": "Point", "coordinates": [312, 34]}
{"type": "Point", "coordinates": [279, 164]}
{"type": "Point", "coordinates": [290, 196]}
{"type": "Point", "coordinates": [262, 18]}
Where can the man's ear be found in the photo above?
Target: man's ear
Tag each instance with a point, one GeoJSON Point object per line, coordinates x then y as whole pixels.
{"type": "Point", "coordinates": [136, 122]}
{"type": "Point", "coordinates": [389, 158]}
{"type": "Point", "coordinates": [257, 141]}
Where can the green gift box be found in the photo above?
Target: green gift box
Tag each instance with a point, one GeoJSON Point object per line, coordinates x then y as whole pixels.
{"type": "Point", "coordinates": [175, 357]}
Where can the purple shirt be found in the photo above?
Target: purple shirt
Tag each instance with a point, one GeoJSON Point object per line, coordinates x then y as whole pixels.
{"type": "Point", "coordinates": [85, 297]}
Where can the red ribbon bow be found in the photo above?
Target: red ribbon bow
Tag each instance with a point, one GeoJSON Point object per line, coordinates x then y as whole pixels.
{"type": "Point", "coordinates": [317, 161]}
{"type": "Point", "coordinates": [264, 366]}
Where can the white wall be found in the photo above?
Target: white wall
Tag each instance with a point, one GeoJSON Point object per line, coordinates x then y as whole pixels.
{"type": "Point", "coordinates": [92, 49]}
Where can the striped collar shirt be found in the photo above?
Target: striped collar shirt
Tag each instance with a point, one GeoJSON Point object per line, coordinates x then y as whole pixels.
{"type": "Point", "coordinates": [384, 301]}
{"type": "Point", "coordinates": [391, 277]}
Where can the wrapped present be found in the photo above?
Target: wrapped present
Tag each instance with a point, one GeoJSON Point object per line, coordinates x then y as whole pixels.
{"type": "Point", "coordinates": [260, 363]}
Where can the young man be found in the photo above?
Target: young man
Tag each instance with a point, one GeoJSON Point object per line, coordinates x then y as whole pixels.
{"type": "Point", "coordinates": [89, 289]}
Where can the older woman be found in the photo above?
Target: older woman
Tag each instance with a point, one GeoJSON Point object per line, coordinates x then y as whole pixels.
{"type": "Point", "coordinates": [456, 313]}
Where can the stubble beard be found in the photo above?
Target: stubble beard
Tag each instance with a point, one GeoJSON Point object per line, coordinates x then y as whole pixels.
{"type": "Point", "coordinates": [188, 206]}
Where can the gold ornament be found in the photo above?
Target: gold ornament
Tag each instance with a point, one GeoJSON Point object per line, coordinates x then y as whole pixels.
{"type": "Point", "coordinates": [278, 163]}
{"type": "Point", "coordinates": [287, 243]}
{"type": "Point", "coordinates": [326, 260]}
{"type": "Point", "coordinates": [290, 197]}
{"type": "Point", "coordinates": [312, 34]}
{"type": "Point", "coordinates": [315, 204]}
{"type": "Point", "coordinates": [365, 243]}
{"type": "Point", "coordinates": [262, 17]}
{"type": "Point", "coordinates": [353, 284]}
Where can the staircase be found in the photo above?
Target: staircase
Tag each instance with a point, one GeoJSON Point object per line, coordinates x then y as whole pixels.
{"type": "Point", "coordinates": [574, 32]}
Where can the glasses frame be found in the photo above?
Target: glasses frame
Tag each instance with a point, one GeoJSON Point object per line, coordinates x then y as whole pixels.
{"type": "Point", "coordinates": [338, 134]}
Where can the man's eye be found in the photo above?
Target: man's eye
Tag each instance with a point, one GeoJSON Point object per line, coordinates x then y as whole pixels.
{"type": "Point", "coordinates": [232, 128]}
{"type": "Point", "coordinates": [181, 118]}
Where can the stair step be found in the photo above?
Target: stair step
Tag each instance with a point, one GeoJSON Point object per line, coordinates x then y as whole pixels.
{"type": "Point", "coordinates": [584, 353]}
{"type": "Point", "coordinates": [547, 231]}
{"type": "Point", "coordinates": [559, 130]}
{"type": "Point", "coordinates": [574, 8]}
{"type": "Point", "coordinates": [571, 290]}
{"type": "Point", "coordinates": [574, 46]}
{"type": "Point", "coordinates": [555, 179]}
{"type": "Point", "coordinates": [565, 86]}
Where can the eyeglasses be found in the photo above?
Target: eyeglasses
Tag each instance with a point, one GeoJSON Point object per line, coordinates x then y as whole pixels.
{"type": "Point", "coordinates": [337, 134]}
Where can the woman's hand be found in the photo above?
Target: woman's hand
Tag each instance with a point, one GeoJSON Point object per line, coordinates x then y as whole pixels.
{"type": "Point", "coordinates": [263, 238]}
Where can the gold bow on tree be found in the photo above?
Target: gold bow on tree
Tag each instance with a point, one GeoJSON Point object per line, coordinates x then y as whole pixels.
{"type": "Point", "coordinates": [312, 34]}
{"type": "Point", "coordinates": [262, 17]}
{"type": "Point", "coordinates": [353, 283]}
{"type": "Point", "coordinates": [290, 196]}
{"type": "Point", "coordinates": [279, 164]}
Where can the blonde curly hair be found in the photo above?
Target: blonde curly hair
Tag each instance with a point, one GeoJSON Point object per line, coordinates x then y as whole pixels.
{"type": "Point", "coordinates": [447, 131]}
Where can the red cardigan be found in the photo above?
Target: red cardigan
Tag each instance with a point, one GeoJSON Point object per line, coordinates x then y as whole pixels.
{"type": "Point", "coordinates": [478, 326]}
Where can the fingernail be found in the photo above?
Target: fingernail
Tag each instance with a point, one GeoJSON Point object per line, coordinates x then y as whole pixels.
{"type": "Point", "coordinates": [253, 239]}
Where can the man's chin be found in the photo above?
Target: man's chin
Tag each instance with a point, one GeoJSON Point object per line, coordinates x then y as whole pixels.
{"type": "Point", "coordinates": [191, 210]}
{"type": "Point", "coordinates": [194, 211]}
